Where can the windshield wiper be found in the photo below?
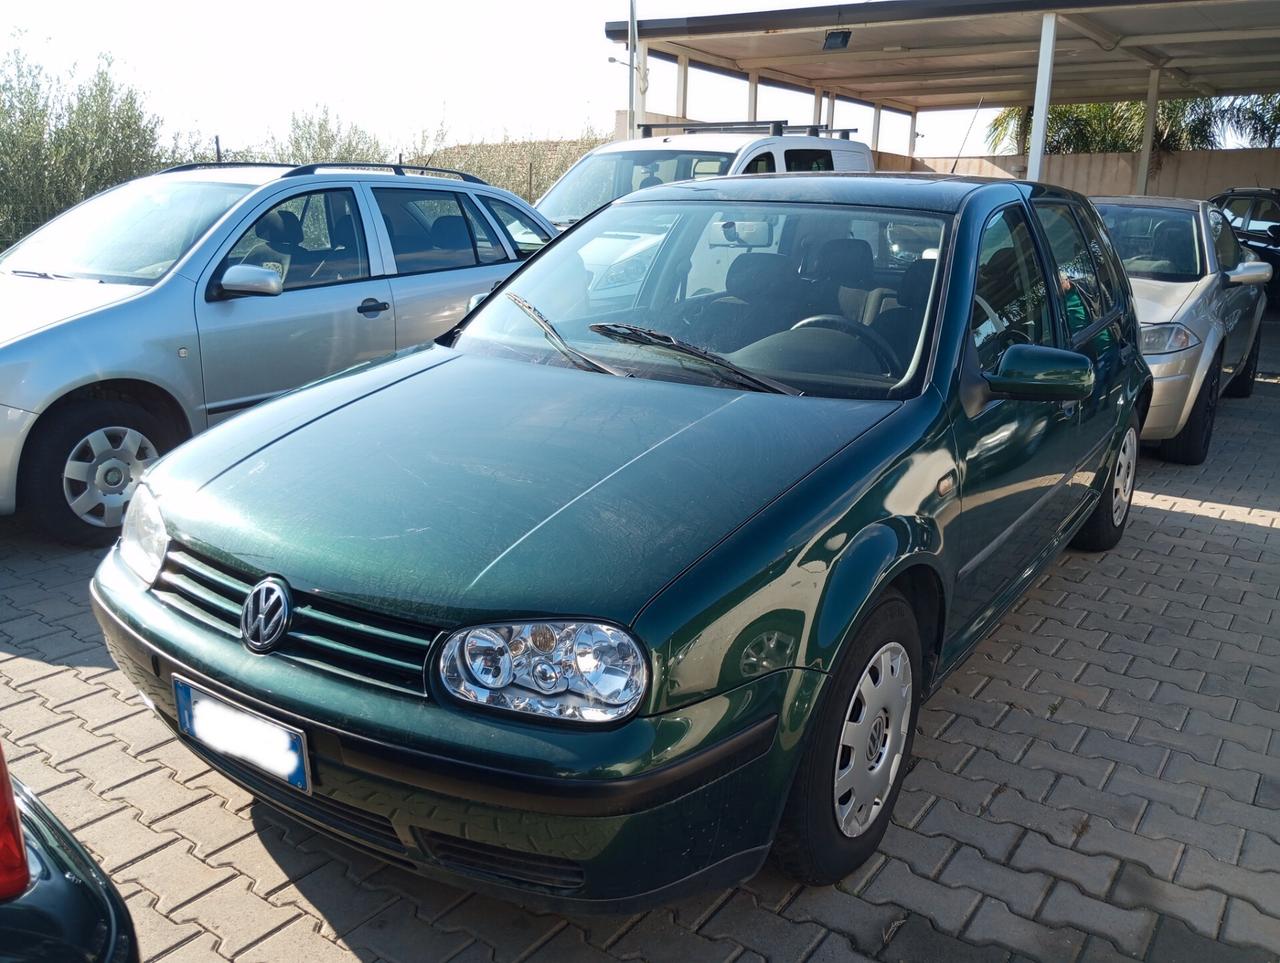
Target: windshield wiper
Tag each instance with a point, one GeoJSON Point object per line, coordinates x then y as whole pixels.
{"type": "Point", "coordinates": [637, 335]}
{"type": "Point", "coordinates": [43, 275]}
{"type": "Point", "coordinates": [560, 344]}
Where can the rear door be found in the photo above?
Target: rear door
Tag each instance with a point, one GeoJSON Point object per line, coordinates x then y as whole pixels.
{"type": "Point", "coordinates": [332, 313]}
{"type": "Point", "coordinates": [440, 249]}
{"type": "Point", "coordinates": [1017, 456]}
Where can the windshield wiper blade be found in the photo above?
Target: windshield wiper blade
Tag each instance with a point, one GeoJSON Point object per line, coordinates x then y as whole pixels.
{"type": "Point", "coordinates": [660, 339]}
{"type": "Point", "coordinates": [561, 345]}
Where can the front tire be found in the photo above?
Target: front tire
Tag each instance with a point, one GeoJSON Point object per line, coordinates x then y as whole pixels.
{"type": "Point", "coordinates": [82, 465]}
{"type": "Point", "coordinates": [1105, 525]}
{"type": "Point", "coordinates": [849, 777]}
{"type": "Point", "coordinates": [1241, 386]}
{"type": "Point", "coordinates": [1190, 446]}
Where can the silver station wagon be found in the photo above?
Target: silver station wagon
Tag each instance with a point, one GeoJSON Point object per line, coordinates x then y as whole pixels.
{"type": "Point", "coordinates": [155, 309]}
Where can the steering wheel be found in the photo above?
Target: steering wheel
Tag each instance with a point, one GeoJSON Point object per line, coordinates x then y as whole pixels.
{"type": "Point", "coordinates": [881, 348]}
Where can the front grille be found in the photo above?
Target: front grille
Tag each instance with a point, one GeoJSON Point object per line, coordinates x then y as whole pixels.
{"type": "Point", "coordinates": [323, 634]}
{"type": "Point", "coordinates": [368, 827]}
{"type": "Point", "coordinates": [497, 862]}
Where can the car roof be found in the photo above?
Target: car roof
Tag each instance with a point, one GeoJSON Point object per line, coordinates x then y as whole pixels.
{"type": "Point", "coordinates": [1126, 200]}
{"type": "Point", "coordinates": [725, 142]}
{"type": "Point", "coordinates": [259, 174]}
{"type": "Point", "coordinates": [933, 192]}
{"type": "Point", "coordinates": [228, 174]}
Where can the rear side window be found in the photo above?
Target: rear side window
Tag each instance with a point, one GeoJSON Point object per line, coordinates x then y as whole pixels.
{"type": "Point", "coordinates": [427, 229]}
{"type": "Point", "coordinates": [526, 235]}
{"type": "Point", "coordinates": [809, 160]}
{"type": "Point", "coordinates": [1077, 278]}
{"type": "Point", "coordinates": [1237, 210]}
{"type": "Point", "coordinates": [1266, 215]}
{"type": "Point", "coordinates": [489, 249]}
{"type": "Point", "coordinates": [762, 163]}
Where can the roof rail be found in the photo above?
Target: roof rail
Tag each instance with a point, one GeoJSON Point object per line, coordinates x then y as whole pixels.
{"type": "Point", "coordinates": [201, 165]}
{"type": "Point", "coordinates": [394, 168]}
{"type": "Point", "coordinates": [776, 128]}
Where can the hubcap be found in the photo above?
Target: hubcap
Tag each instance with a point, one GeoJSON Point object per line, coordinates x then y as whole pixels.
{"type": "Point", "coordinates": [1122, 479]}
{"type": "Point", "coordinates": [872, 739]}
{"type": "Point", "coordinates": [102, 472]}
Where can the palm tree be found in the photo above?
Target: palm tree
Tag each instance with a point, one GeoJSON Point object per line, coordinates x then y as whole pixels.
{"type": "Point", "coordinates": [1256, 119]}
{"type": "Point", "coordinates": [1192, 124]}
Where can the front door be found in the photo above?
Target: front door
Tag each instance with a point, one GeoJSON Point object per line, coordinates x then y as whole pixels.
{"type": "Point", "coordinates": [1017, 456]}
{"type": "Point", "coordinates": [441, 251]}
{"type": "Point", "coordinates": [1236, 304]}
{"type": "Point", "coordinates": [330, 315]}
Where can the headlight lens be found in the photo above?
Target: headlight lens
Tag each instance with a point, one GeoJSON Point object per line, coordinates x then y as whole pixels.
{"type": "Point", "coordinates": [629, 271]}
{"type": "Point", "coordinates": [144, 540]}
{"type": "Point", "coordinates": [1163, 338]}
{"type": "Point", "coordinates": [579, 671]}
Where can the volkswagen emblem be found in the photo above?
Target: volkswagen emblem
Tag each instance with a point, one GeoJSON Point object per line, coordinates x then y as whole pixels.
{"type": "Point", "coordinates": [265, 616]}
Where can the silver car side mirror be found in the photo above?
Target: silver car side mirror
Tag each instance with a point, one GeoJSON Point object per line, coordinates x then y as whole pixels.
{"type": "Point", "coordinates": [1249, 272]}
{"type": "Point", "coordinates": [476, 300]}
{"type": "Point", "coordinates": [250, 279]}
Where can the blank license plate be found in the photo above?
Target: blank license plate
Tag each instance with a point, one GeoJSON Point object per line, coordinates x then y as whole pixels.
{"type": "Point", "coordinates": [272, 747]}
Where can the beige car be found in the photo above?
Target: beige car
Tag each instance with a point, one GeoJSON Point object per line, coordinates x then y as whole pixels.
{"type": "Point", "coordinates": [1200, 298]}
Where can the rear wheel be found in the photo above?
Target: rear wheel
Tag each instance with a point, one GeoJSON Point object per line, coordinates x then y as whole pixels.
{"type": "Point", "coordinates": [82, 467]}
{"type": "Point", "coordinates": [1190, 446]}
{"type": "Point", "coordinates": [1241, 385]}
{"type": "Point", "coordinates": [848, 780]}
{"type": "Point", "coordinates": [1105, 526]}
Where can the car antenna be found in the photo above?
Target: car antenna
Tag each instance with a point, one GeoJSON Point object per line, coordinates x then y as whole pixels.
{"type": "Point", "coordinates": [972, 120]}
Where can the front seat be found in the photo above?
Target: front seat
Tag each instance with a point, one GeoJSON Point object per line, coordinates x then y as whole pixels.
{"type": "Point", "coordinates": [900, 325]}
{"type": "Point", "coordinates": [759, 300]}
{"type": "Point", "coordinates": [843, 274]}
{"type": "Point", "coordinates": [451, 237]}
{"type": "Point", "coordinates": [279, 239]}
{"type": "Point", "coordinates": [1173, 242]}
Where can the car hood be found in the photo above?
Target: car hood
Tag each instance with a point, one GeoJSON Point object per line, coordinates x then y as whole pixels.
{"type": "Point", "coordinates": [28, 304]}
{"type": "Point", "coordinates": [1158, 302]}
{"type": "Point", "coordinates": [451, 488]}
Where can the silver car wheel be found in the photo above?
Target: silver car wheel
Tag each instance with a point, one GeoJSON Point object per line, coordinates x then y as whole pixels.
{"type": "Point", "coordinates": [1123, 477]}
{"type": "Point", "coordinates": [102, 472]}
{"type": "Point", "coordinates": [874, 735]}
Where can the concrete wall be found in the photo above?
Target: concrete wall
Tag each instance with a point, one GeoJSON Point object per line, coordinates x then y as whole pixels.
{"type": "Point", "coordinates": [1197, 173]}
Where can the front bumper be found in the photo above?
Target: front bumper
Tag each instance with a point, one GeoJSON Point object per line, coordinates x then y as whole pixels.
{"type": "Point", "coordinates": [608, 820]}
{"type": "Point", "coordinates": [1176, 380]}
{"type": "Point", "coordinates": [15, 424]}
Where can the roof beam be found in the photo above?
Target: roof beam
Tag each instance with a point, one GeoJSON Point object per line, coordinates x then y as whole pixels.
{"type": "Point", "coordinates": [1200, 36]}
{"type": "Point", "coordinates": [994, 74]}
{"type": "Point", "coordinates": [911, 53]}
{"type": "Point", "coordinates": [1108, 41]}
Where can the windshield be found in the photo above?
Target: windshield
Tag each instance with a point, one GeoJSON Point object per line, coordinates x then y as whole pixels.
{"type": "Point", "coordinates": [132, 234]}
{"type": "Point", "coordinates": [598, 179]}
{"type": "Point", "coordinates": [827, 300]}
{"type": "Point", "coordinates": [1158, 243]}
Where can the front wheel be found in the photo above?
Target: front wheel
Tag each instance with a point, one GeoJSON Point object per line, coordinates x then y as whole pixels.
{"type": "Point", "coordinates": [852, 769]}
{"type": "Point", "coordinates": [83, 464]}
{"type": "Point", "coordinates": [1190, 446]}
{"type": "Point", "coordinates": [1105, 526]}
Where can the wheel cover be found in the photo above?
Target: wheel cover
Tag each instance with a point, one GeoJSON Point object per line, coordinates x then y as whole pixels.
{"type": "Point", "coordinates": [102, 472]}
{"type": "Point", "coordinates": [1123, 477]}
{"type": "Point", "coordinates": [874, 734]}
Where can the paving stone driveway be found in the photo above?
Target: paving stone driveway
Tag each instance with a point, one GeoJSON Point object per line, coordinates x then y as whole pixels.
{"type": "Point", "coordinates": [1101, 780]}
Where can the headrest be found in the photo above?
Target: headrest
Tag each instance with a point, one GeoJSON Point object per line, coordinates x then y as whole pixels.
{"type": "Point", "coordinates": [752, 275]}
{"type": "Point", "coordinates": [279, 228]}
{"type": "Point", "coordinates": [344, 232]}
{"type": "Point", "coordinates": [1173, 241]}
{"type": "Point", "coordinates": [917, 279]}
{"type": "Point", "coordinates": [844, 260]}
{"type": "Point", "coordinates": [449, 233]}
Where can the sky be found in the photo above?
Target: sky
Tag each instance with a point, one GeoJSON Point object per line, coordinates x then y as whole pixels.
{"type": "Point", "coordinates": [479, 70]}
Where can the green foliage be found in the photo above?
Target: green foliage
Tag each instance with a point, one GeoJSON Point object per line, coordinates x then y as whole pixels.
{"type": "Point", "coordinates": [320, 137]}
{"type": "Point", "coordinates": [1256, 119]}
{"type": "Point", "coordinates": [59, 144]}
{"type": "Point", "coordinates": [1193, 124]}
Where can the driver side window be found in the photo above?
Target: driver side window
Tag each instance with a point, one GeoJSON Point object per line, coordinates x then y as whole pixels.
{"type": "Point", "coordinates": [1010, 304]}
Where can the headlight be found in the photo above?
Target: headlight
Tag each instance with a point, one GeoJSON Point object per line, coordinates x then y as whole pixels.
{"type": "Point", "coordinates": [1163, 338]}
{"type": "Point", "coordinates": [144, 540]}
{"type": "Point", "coordinates": [630, 271]}
{"type": "Point", "coordinates": [580, 671]}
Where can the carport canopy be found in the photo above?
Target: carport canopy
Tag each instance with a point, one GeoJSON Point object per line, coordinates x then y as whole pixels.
{"type": "Point", "coordinates": [912, 55]}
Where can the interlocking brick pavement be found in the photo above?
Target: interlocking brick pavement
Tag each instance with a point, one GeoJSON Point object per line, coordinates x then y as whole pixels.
{"type": "Point", "coordinates": [1100, 780]}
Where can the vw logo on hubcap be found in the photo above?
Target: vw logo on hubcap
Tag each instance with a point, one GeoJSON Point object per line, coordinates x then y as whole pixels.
{"type": "Point", "coordinates": [265, 616]}
{"type": "Point", "coordinates": [876, 737]}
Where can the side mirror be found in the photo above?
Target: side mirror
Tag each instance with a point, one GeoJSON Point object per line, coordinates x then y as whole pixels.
{"type": "Point", "coordinates": [1249, 272]}
{"type": "Point", "coordinates": [250, 279]}
{"type": "Point", "coordinates": [476, 300]}
{"type": "Point", "coordinates": [1274, 232]}
{"type": "Point", "coordinates": [1032, 372]}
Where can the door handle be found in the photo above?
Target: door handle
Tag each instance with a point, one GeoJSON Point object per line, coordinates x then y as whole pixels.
{"type": "Point", "coordinates": [373, 306]}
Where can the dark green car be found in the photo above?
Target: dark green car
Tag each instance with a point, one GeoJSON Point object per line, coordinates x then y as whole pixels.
{"type": "Point", "coordinates": [646, 573]}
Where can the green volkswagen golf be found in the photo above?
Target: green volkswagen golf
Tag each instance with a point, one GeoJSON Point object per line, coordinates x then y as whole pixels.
{"type": "Point", "coordinates": [643, 573]}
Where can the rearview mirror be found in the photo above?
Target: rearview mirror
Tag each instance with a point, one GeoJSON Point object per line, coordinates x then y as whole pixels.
{"type": "Point", "coordinates": [250, 279]}
{"type": "Point", "coordinates": [1032, 372]}
{"type": "Point", "coordinates": [1249, 272]}
{"type": "Point", "coordinates": [743, 233]}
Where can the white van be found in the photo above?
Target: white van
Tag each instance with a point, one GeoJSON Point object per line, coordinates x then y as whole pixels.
{"type": "Point", "coordinates": [615, 169]}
